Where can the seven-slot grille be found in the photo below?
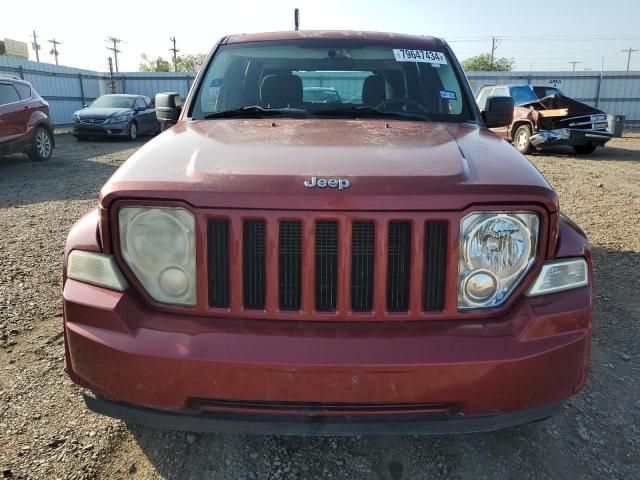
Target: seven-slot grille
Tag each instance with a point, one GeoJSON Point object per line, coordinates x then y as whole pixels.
{"type": "Point", "coordinates": [327, 265]}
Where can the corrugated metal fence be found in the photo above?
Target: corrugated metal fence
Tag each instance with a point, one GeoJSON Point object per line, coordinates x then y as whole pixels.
{"type": "Point", "coordinates": [67, 89]}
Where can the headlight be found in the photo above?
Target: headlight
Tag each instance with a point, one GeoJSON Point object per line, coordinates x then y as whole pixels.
{"type": "Point", "coordinates": [118, 119]}
{"type": "Point", "coordinates": [76, 117]}
{"type": "Point", "coordinates": [158, 244]}
{"type": "Point", "coordinates": [496, 250]}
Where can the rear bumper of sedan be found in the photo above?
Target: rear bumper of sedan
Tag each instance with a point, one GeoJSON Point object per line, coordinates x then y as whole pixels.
{"type": "Point", "coordinates": [288, 377]}
{"type": "Point", "coordinates": [570, 136]}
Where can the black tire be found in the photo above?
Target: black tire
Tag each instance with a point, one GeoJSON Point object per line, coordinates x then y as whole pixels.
{"type": "Point", "coordinates": [41, 145]}
{"type": "Point", "coordinates": [162, 126]}
{"type": "Point", "coordinates": [522, 139]}
{"type": "Point", "coordinates": [133, 131]}
{"type": "Point", "coordinates": [584, 149]}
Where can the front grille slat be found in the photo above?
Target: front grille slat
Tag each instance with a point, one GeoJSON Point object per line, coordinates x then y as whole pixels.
{"type": "Point", "coordinates": [399, 266]}
{"type": "Point", "coordinates": [254, 264]}
{"type": "Point", "coordinates": [391, 266]}
{"type": "Point", "coordinates": [434, 265]}
{"type": "Point", "coordinates": [326, 265]}
{"type": "Point", "coordinates": [290, 264]}
{"type": "Point", "coordinates": [218, 262]}
{"type": "Point", "coordinates": [362, 265]}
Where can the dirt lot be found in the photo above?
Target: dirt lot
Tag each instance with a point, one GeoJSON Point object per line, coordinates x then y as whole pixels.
{"type": "Point", "coordinates": [46, 433]}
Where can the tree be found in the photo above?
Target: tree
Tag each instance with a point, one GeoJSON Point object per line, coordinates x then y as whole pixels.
{"type": "Point", "coordinates": [158, 64]}
{"type": "Point", "coordinates": [190, 62]}
{"type": "Point", "coordinates": [184, 63]}
{"type": "Point", "coordinates": [482, 63]}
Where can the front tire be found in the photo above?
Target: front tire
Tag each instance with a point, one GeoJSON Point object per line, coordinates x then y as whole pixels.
{"type": "Point", "coordinates": [584, 149]}
{"type": "Point", "coordinates": [133, 131]}
{"type": "Point", "coordinates": [41, 145]}
{"type": "Point", "coordinates": [522, 139]}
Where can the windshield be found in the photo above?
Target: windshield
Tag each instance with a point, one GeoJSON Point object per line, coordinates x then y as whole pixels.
{"type": "Point", "coordinates": [524, 94]}
{"type": "Point", "coordinates": [331, 79]}
{"type": "Point", "coordinates": [112, 101]}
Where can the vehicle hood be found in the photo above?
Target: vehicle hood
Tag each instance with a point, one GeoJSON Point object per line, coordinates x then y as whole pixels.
{"type": "Point", "coordinates": [102, 112]}
{"type": "Point", "coordinates": [553, 102]}
{"type": "Point", "coordinates": [391, 165]}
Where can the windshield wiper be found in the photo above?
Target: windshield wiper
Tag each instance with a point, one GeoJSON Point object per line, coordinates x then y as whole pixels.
{"type": "Point", "coordinates": [370, 112]}
{"type": "Point", "coordinates": [256, 111]}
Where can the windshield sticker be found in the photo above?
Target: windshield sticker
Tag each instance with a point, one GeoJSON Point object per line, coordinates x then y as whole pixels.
{"type": "Point", "coordinates": [448, 95]}
{"type": "Point", "coordinates": [216, 82]}
{"type": "Point", "coordinates": [423, 56]}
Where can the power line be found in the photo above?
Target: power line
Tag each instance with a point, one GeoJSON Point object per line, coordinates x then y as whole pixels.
{"type": "Point", "coordinates": [54, 50]}
{"type": "Point", "coordinates": [36, 46]}
{"type": "Point", "coordinates": [629, 51]}
{"type": "Point", "coordinates": [115, 41]}
{"type": "Point", "coordinates": [175, 54]}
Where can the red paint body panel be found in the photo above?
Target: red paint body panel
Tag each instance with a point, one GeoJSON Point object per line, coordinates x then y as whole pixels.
{"type": "Point", "coordinates": [120, 347]}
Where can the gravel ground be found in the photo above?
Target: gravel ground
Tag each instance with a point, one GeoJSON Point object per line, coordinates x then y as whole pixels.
{"type": "Point", "coordinates": [46, 433]}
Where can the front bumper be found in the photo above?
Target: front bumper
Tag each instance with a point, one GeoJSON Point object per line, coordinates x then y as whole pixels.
{"type": "Point", "coordinates": [331, 376]}
{"type": "Point", "coordinates": [120, 129]}
{"type": "Point", "coordinates": [257, 424]}
{"type": "Point", "coordinates": [570, 136]}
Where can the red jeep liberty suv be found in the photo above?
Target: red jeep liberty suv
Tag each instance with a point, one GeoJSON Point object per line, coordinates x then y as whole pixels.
{"type": "Point", "coordinates": [379, 262]}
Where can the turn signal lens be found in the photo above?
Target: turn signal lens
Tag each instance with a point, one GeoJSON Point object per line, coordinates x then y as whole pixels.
{"type": "Point", "coordinates": [560, 275]}
{"type": "Point", "coordinates": [95, 268]}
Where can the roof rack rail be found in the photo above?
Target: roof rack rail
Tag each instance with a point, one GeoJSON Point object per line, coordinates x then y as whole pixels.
{"type": "Point", "coordinates": [8, 75]}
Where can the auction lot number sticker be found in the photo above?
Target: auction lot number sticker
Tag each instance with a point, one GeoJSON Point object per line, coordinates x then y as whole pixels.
{"type": "Point", "coordinates": [424, 56]}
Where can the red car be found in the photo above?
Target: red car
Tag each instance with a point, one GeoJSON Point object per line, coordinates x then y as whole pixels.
{"type": "Point", "coordinates": [380, 265]}
{"type": "Point", "coordinates": [25, 125]}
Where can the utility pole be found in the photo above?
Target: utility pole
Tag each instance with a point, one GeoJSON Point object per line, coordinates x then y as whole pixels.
{"type": "Point", "coordinates": [115, 41]}
{"type": "Point", "coordinates": [629, 52]}
{"type": "Point", "coordinates": [296, 19]}
{"type": "Point", "coordinates": [494, 46]}
{"type": "Point", "coordinates": [111, 79]}
{"type": "Point", "coordinates": [574, 65]}
{"type": "Point", "coordinates": [36, 46]}
{"type": "Point", "coordinates": [175, 54]}
{"type": "Point", "coordinates": [54, 50]}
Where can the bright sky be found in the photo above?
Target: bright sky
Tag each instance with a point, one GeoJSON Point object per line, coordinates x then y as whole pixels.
{"type": "Point", "coordinates": [552, 35]}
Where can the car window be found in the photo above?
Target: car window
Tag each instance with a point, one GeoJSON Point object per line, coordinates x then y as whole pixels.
{"type": "Point", "coordinates": [139, 103]}
{"type": "Point", "coordinates": [8, 94]}
{"type": "Point", "coordinates": [23, 90]}
{"type": "Point", "coordinates": [500, 92]}
{"type": "Point", "coordinates": [112, 101]}
{"type": "Point", "coordinates": [523, 94]}
{"type": "Point", "coordinates": [333, 76]}
{"type": "Point", "coordinates": [482, 98]}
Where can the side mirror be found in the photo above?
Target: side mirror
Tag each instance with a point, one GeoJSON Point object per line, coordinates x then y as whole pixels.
{"type": "Point", "coordinates": [140, 109]}
{"type": "Point", "coordinates": [498, 112]}
{"type": "Point", "coordinates": [168, 107]}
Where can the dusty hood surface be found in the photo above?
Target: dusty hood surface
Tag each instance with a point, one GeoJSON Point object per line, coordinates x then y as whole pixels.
{"type": "Point", "coordinates": [390, 165]}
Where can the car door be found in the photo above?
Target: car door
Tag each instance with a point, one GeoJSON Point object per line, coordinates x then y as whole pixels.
{"type": "Point", "coordinates": [501, 92]}
{"type": "Point", "coordinates": [151, 112]}
{"type": "Point", "coordinates": [14, 113]}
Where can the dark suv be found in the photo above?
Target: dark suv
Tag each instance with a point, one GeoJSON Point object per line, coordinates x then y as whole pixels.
{"type": "Point", "coordinates": [25, 125]}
